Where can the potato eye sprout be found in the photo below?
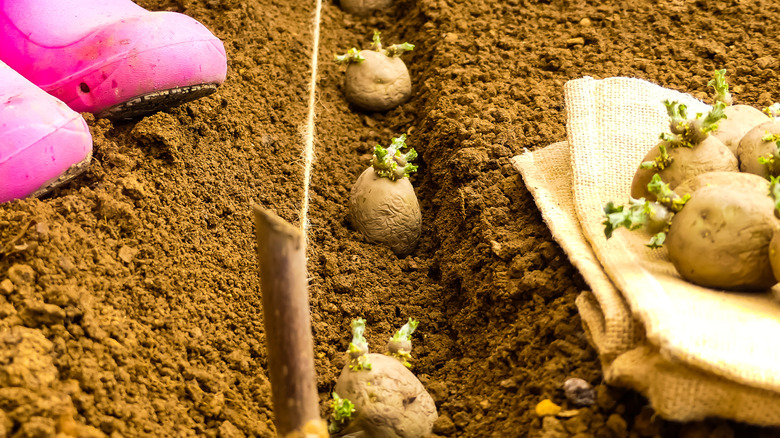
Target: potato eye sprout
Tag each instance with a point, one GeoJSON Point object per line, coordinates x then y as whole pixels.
{"type": "Point", "coordinates": [739, 118]}
{"type": "Point", "coordinates": [690, 132]}
{"type": "Point", "coordinates": [391, 163]}
{"type": "Point", "coordinates": [400, 345]}
{"type": "Point", "coordinates": [721, 87]}
{"type": "Point", "coordinates": [342, 413]}
{"type": "Point", "coordinates": [394, 50]}
{"type": "Point", "coordinates": [358, 348]}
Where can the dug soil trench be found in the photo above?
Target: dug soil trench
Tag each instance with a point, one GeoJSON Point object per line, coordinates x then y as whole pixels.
{"type": "Point", "coordinates": [130, 302]}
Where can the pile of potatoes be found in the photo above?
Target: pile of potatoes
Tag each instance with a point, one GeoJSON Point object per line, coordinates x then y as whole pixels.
{"type": "Point", "coordinates": [706, 192]}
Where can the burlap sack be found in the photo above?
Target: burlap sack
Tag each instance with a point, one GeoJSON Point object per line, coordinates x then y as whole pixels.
{"type": "Point", "coordinates": [694, 352]}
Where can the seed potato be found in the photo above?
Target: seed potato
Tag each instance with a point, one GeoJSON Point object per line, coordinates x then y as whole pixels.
{"type": "Point", "coordinates": [379, 83]}
{"type": "Point", "coordinates": [710, 155]}
{"type": "Point", "coordinates": [755, 145]}
{"type": "Point", "coordinates": [382, 203]}
{"type": "Point", "coordinates": [390, 402]}
{"type": "Point", "coordinates": [740, 119]}
{"type": "Point", "coordinates": [386, 211]}
{"type": "Point", "coordinates": [377, 79]}
{"type": "Point", "coordinates": [720, 239]}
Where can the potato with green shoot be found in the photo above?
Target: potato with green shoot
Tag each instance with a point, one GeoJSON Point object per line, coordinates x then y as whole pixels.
{"type": "Point", "coordinates": [721, 238]}
{"type": "Point", "coordinates": [688, 150]}
{"type": "Point", "coordinates": [758, 150]}
{"type": "Point", "coordinates": [738, 120]}
{"type": "Point", "coordinates": [376, 395]}
{"type": "Point", "coordinates": [377, 79]}
{"type": "Point", "coordinates": [382, 203]}
{"type": "Point", "coordinates": [719, 234]}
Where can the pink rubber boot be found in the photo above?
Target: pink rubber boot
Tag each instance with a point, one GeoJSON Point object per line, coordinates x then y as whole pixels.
{"type": "Point", "coordinates": [110, 57]}
{"type": "Point", "coordinates": [43, 143]}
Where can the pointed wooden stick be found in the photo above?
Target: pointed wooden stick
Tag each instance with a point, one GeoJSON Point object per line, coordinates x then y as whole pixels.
{"type": "Point", "coordinates": [283, 283]}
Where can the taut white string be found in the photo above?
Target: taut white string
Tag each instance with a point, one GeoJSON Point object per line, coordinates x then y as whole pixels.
{"type": "Point", "coordinates": [308, 152]}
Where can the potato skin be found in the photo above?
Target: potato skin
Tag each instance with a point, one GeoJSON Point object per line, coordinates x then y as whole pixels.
{"type": "Point", "coordinates": [721, 237]}
{"type": "Point", "coordinates": [379, 83]}
{"type": "Point", "coordinates": [364, 7]}
{"type": "Point", "coordinates": [745, 180]}
{"type": "Point", "coordinates": [708, 156]}
{"type": "Point", "coordinates": [386, 211]}
{"type": "Point", "coordinates": [390, 402]}
{"type": "Point", "coordinates": [751, 147]}
{"type": "Point", "coordinates": [739, 120]}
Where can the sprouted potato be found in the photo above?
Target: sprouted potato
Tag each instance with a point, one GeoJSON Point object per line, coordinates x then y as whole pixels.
{"type": "Point", "coordinates": [382, 203]}
{"type": "Point", "coordinates": [687, 151]}
{"type": "Point", "coordinates": [377, 396]}
{"type": "Point", "coordinates": [377, 79]}
{"type": "Point", "coordinates": [718, 235]}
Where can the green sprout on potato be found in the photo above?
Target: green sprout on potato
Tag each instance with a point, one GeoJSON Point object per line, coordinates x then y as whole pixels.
{"type": "Point", "coordinates": [634, 216]}
{"type": "Point", "coordinates": [400, 345]}
{"type": "Point", "coordinates": [654, 217]}
{"type": "Point", "coordinates": [391, 163]}
{"type": "Point", "coordinates": [394, 50]}
{"type": "Point", "coordinates": [352, 55]}
{"type": "Point", "coordinates": [721, 87]}
{"type": "Point", "coordinates": [666, 196]}
{"type": "Point", "coordinates": [358, 348]}
{"type": "Point", "coordinates": [342, 413]}
{"type": "Point", "coordinates": [774, 193]}
{"type": "Point", "coordinates": [772, 160]}
{"type": "Point", "coordinates": [772, 111]}
{"type": "Point", "coordinates": [687, 132]}
{"type": "Point", "coordinates": [739, 120]}
{"type": "Point", "coordinates": [661, 161]}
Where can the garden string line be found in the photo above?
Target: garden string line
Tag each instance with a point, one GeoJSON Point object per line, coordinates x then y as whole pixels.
{"type": "Point", "coordinates": [308, 152]}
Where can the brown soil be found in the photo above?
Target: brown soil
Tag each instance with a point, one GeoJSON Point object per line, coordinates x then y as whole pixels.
{"type": "Point", "coordinates": [130, 302]}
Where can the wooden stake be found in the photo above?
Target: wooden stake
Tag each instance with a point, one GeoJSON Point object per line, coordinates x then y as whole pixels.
{"type": "Point", "coordinates": [283, 283]}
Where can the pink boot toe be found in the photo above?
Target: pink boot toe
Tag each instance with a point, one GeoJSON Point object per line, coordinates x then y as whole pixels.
{"type": "Point", "coordinates": [110, 57]}
{"type": "Point", "coordinates": [43, 143]}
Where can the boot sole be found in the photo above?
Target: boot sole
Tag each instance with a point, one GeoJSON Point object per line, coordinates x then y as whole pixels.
{"type": "Point", "coordinates": [152, 102]}
{"type": "Point", "coordinates": [72, 172]}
